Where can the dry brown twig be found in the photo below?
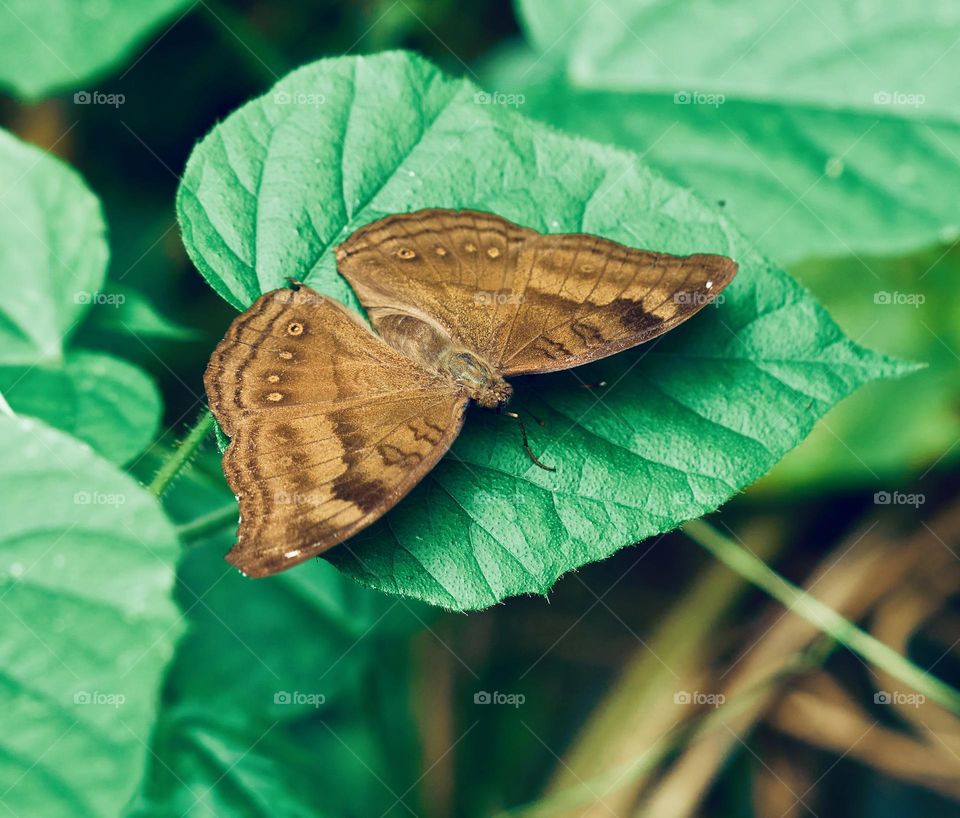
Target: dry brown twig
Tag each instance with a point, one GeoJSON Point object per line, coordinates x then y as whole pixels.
{"type": "Point", "coordinates": [860, 573]}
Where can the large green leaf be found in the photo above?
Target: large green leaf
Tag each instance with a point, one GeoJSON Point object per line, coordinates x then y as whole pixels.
{"type": "Point", "coordinates": [814, 53]}
{"type": "Point", "coordinates": [681, 425]}
{"type": "Point", "coordinates": [86, 568]}
{"type": "Point", "coordinates": [50, 45]}
{"type": "Point", "coordinates": [106, 402]}
{"type": "Point", "coordinates": [55, 257]}
{"type": "Point", "coordinates": [54, 251]}
{"type": "Point", "coordinates": [836, 129]}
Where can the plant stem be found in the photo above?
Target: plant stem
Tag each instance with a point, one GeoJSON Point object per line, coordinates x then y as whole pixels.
{"type": "Point", "coordinates": [208, 523]}
{"type": "Point", "coordinates": [631, 716]}
{"type": "Point", "coordinates": [181, 455]}
{"type": "Point", "coordinates": [821, 616]}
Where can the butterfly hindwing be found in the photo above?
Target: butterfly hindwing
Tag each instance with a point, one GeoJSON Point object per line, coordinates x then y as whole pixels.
{"type": "Point", "coordinates": [451, 267]}
{"type": "Point", "coordinates": [329, 426]}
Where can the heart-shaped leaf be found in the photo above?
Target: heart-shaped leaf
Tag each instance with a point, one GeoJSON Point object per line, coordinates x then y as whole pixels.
{"type": "Point", "coordinates": [55, 257]}
{"type": "Point", "coordinates": [823, 128]}
{"type": "Point", "coordinates": [86, 568]}
{"type": "Point", "coordinates": [49, 45]}
{"type": "Point", "coordinates": [680, 425]}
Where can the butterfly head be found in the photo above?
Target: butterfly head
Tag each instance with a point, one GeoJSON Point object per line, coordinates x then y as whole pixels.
{"type": "Point", "coordinates": [479, 379]}
{"type": "Point", "coordinates": [493, 394]}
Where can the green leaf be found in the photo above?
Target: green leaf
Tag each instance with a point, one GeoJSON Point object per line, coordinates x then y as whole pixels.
{"type": "Point", "coordinates": [126, 311]}
{"type": "Point", "coordinates": [824, 129]}
{"type": "Point", "coordinates": [54, 250]}
{"type": "Point", "coordinates": [55, 254]}
{"type": "Point", "coordinates": [903, 306]}
{"type": "Point", "coordinates": [329, 766]}
{"type": "Point", "coordinates": [103, 401]}
{"type": "Point", "coordinates": [52, 45]}
{"type": "Point", "coordinates": [681, 425]}
{"type": "Point", "coordinates": [815, 53]}
{"type": "Point", "coordinates": [86, 565]}
{"type": "Point", "coordinates": [257, 650]}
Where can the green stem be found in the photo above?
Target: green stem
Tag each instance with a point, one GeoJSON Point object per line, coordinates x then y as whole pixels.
{"type": "Point", "coordinates": [821, 616]}
{"type": "Point", "coordinates": [208, 523]}
{"type": "Point", "coordinates": [181, 455]}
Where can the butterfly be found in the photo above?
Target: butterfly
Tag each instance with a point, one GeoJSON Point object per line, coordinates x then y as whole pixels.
{"type": "Point", "coordinates": [332, 423]}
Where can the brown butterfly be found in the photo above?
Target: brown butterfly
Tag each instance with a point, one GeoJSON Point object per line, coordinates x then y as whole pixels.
{"type": "Point", "coordinates": [331, 424]}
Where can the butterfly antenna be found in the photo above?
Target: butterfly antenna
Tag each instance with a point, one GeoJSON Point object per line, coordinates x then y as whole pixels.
{"type": "Point", "coordinates": [294, 284]}
{"type": "Point", "coordinates": [539, 422]}
{"type": "Point", "coordinates": [526, 442]}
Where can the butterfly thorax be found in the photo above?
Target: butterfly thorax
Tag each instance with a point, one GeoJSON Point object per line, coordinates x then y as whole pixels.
{"type": "Point", "coordinates": [479, 379]}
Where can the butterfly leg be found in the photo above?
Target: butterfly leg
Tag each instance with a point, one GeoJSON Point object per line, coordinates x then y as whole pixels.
{"type": "Point", "coordinates": [526, 442]}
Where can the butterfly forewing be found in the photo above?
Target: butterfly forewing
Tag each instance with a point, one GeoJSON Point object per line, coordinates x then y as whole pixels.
{"type": "Point", "coordinates": [329, 426]}
{"type": "Point", "coordinates": [524, 301]}
{"type": "Point", "coordinates": [588, 298]}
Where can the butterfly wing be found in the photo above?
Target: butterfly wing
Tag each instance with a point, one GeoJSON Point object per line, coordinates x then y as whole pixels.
{"type": "Point", "coordinates": [445, 266]}
{"type": "Point", "coordinates": [525, 301]}
{"type": "Point", "coordinates": [329, 426]}
{"type": "Point", "coordinates": [585, 298]}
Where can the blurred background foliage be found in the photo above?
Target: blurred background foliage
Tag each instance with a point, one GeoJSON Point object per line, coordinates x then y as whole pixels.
{"type": "Point", "coordinates": [855, 195]}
